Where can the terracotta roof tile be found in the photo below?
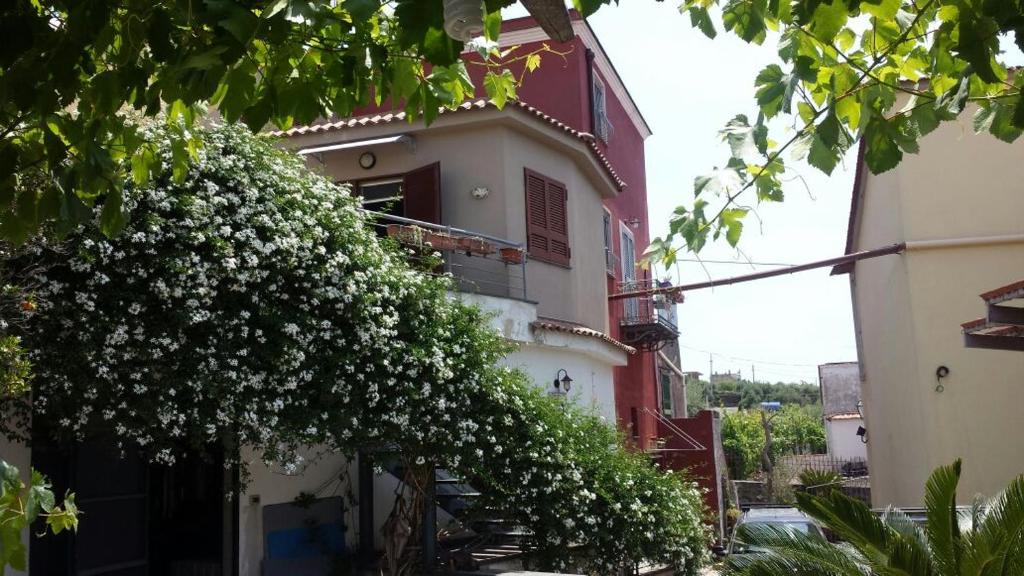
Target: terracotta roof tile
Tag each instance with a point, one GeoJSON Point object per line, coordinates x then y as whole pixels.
{"type": "Point", "coordinates": [570, 328]}
{"type": "Point", "coordinates": [844, 416]}
{"type": "Point", "coordinates": [479, 104]}
{"type": "Point", "coordinates": [1004, 293]}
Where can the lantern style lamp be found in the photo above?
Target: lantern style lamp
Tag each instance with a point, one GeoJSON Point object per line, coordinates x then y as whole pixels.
{"type": "Point", "coordinates": [463, 19]}
{"type": "Point", "coordinates": [564, 384]}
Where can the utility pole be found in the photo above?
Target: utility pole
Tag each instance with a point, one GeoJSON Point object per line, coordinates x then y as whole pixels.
{"type": "Point", "coordinates": [753, 374]}
{"type": "Point", "coordinates": [711, 375]}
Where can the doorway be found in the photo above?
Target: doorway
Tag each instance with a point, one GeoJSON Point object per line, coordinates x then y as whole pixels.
{"type": "Point", "coordinates": [137, 519]}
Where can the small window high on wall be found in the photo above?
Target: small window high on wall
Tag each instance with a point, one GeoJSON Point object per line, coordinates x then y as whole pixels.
{"type": "Point", "coordinates": [602, 126]}
{"type": "Point", "coordinates": [547, 219]}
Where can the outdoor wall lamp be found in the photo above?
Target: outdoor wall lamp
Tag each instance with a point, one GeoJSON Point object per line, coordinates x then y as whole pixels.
{"type": "Point", "coordinates": [463, 19]}
{"type": "Point", "coordinates": [862, 432]}
{"type": "Point", "coordinates": [564, 384]}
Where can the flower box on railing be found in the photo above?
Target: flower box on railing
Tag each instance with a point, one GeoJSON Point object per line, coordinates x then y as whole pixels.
{"type": "Point", "coordinates": [416, 236]}
{"type": "Point", "coordinates": [471, 245]}
{"type": "Point", "coordinates": [511, 255]}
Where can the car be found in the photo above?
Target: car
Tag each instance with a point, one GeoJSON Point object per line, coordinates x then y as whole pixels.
{"type": "Point", "coordinates": [780, 516]}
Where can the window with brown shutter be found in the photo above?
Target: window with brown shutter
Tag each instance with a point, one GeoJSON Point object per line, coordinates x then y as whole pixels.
{"type": "Point", "coordinates": [547, 219]}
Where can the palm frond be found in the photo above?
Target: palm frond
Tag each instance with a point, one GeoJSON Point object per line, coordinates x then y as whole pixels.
{"type": "Point", "coordinates": [852, 521]}
{"type": "Point", "coordinates": [909, 550]}
{"type": "Point", "coordinates": [784, 551]}
{"type": "Point", "coordinates": [943, 527]}
{"type": "Point", "coordinates": [997, 546]}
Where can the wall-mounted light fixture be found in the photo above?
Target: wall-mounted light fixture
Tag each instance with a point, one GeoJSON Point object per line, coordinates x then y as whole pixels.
{"type": "Point", "coordinates": [633, 222]}
{"type": "Point", "coordinates": [562, 385]}
{"type": "Point", "coordinates": [463, 19]}
{"type": "Point", "coordinates": [480, 192]}
{"type": "Point", "coordinates": [940, 373]}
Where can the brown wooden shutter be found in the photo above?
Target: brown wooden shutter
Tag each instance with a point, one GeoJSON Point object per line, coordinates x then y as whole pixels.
{"type": "Point", "coordinates": [547, 220]}
{"type": "Point", "coordinates": [421, 191]}
{"type": "Point", "coordinates": [536, 215]}
{"type": "Point", "coordinates": [558, 222]}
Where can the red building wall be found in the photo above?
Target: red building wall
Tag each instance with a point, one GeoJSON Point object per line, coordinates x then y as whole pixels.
{"type": "Point", "coordinates": [700, 465]}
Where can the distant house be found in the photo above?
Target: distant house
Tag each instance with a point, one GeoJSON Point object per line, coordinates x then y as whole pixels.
{"type": "Point", "coordinates": [928, 399]}
{"type": "Point", "coordinates": [839, 383]}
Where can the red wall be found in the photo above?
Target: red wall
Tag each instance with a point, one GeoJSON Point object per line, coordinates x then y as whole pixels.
{"type": "Point", "coordinates": [699, 464]}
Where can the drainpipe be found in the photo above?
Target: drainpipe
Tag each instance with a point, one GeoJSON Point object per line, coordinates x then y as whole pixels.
{"type": "Point", "coordinates": [590, 90]}
{"type": "Point", "coordinates": [965, 242]}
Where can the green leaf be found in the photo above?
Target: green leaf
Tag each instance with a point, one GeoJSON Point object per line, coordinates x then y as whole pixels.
{"type": "Point", "coordinates": [829, 19]}
{"type": "Point", "coordinates": [113, 217]}
{"type": "Point", "coordinates": [882, 151]}
{"type": "Point", "coordinates": [732, 220]}
{"type": "Point", "coordinates": [700, 18]}
{"type": "Point", "coordinates": [881, 9]}
{"type": "Point", "coordinates": [775, 90]}
{"type": "Point", "coordinates": [740, 136]}
{"type": "Point", "coordinates": [977, 44]}
{"type": "Point", "coordinates": [241, 24]}
{"type": "Point", "coordinates": [746, 19]}
{"type": "Point", "coordinates": [720, 181]}
{"type": "Point", "coordinates": [361, 9]}
{"type": "Point", "coordinates": [500, 87]}
{"type": "Point", "coordinates": [492, 25]}
{"type": "Point", "coordinates": [822, 156]}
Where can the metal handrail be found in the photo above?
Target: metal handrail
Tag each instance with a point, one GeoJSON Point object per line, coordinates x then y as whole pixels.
{"type": "Point", "coordinates": [443, 228]}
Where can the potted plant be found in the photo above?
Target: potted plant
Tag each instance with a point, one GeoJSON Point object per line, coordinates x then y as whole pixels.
{"type": "Point", "coordinates": [472, 245]}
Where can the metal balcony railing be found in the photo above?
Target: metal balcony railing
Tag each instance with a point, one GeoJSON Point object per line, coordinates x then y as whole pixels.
{"type": "Point", "coordinates": [479, 263]}
{"type": "Point", "coordinates": [646, 322]}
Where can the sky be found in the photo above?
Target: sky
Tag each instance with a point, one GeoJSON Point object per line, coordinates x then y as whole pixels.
{"type": "Point", "coordinates": [687, 87]}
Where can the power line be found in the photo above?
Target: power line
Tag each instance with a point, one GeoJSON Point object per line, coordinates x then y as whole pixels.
{"type": "Point", "coordinates": [741, 263]}
{"type": "Point", "coordinates": [755, 360]}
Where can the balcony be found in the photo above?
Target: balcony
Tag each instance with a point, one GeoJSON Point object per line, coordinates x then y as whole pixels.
{"type": "Point", "coordinates": [646, 322]}
{"type": "Point", "coordinates": [478, 263]}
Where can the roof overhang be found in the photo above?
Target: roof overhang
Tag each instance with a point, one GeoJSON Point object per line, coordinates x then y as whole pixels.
{"type": "Point", "coordinates": [525, 119]}
{"type": "Point", "coordinates": [405, 139]}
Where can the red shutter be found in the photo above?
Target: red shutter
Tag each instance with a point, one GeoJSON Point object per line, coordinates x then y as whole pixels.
{"type": "Point", "coordinates": [558, 223]}
{"type": "Point", "coordinates": [536, 215]}
{"type": "Point", "coordinates": [547, 226]}
{"type": "Point", "coordinates": [421, 191]}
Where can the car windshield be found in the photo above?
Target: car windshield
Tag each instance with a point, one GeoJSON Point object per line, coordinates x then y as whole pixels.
{"type": "Point", "coordinates": [796, 525]}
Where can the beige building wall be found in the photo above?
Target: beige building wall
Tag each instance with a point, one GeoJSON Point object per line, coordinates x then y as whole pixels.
{"type": "Point", "coordinates": [959, 206]}
{"type": "Point", "coordinates": [493, 154]}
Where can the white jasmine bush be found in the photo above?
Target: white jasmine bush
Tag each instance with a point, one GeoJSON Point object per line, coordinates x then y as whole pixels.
{"type": "Point", "coordinates": [251, 303]}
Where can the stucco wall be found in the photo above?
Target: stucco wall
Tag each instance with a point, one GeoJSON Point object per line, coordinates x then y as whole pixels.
{"type": "Point", "coordinates": [494, 155]}
{"type": "Point", "coordinates": [842, 439]}
{"type": "Point", "coordinates": [840, 387]}
{"type": "Point", "coordinates": [908, 311]}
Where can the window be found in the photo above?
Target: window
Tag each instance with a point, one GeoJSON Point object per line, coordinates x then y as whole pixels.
{"type": "Point", "coordinates": [602, 126]}
{"type": "Point", "coordinates": [666, 393]}
{"type": "Point", "coordinates": [547, 225]}
{"type": "Point", "coordinates": [382, 196]}
{"type": "Point", "coordinates": [610, 261]}
{"type": "Point", "coordinates": [627, 254]}
{"type": "Point", "coordinates": [415, 194]}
